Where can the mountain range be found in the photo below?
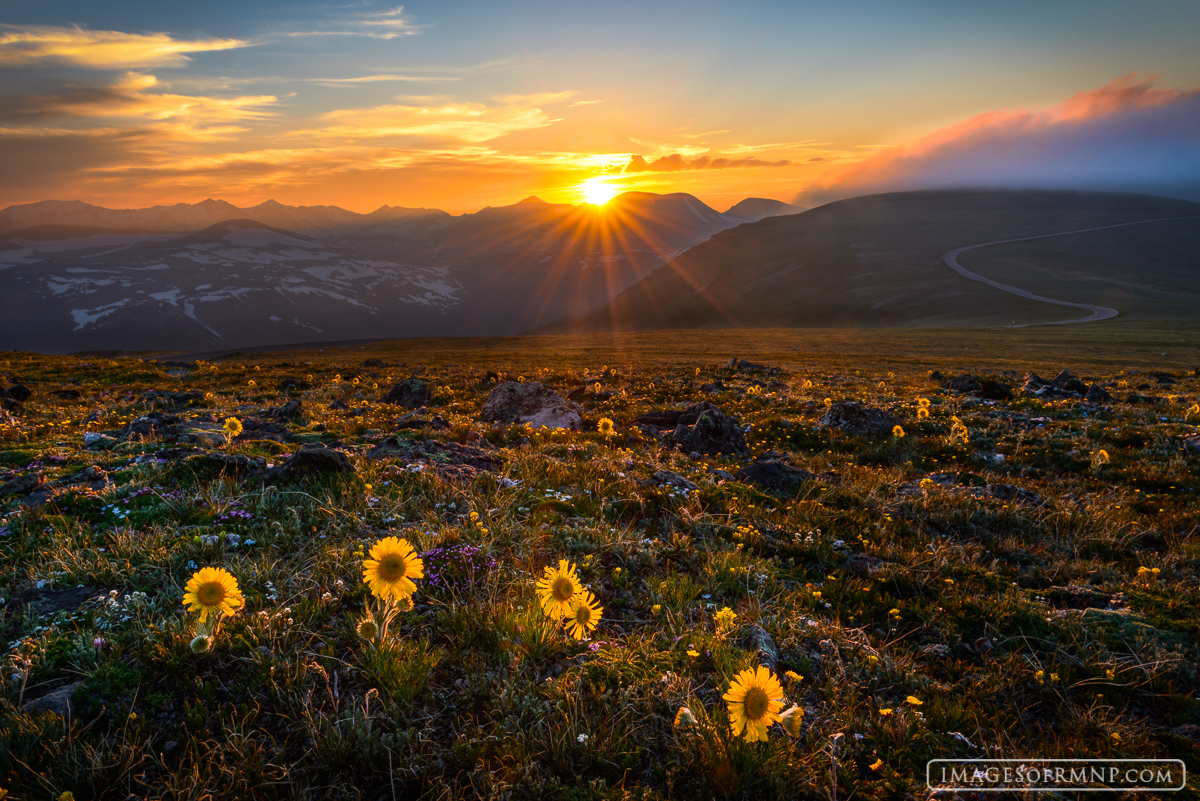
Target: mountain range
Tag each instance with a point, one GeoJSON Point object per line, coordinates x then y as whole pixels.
{"type": "Point", "coordinates": [75, 276]}
{"type": "Point", "coordinates": [211, 275]}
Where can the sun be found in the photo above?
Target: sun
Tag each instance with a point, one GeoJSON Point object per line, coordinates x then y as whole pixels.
{"type": "Point", "coordinates": [598, 191]}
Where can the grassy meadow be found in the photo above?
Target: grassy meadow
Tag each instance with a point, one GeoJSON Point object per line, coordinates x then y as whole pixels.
{"type": "Point", "coordinates": [1003, 579]}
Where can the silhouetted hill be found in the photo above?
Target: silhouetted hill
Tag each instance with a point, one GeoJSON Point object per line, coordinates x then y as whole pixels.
{"type": "Point", "coordinates": [877, 261]}
{"type": "Point", "coordinates": [753, 209]}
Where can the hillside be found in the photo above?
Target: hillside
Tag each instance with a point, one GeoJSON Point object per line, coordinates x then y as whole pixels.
{"type": "Point", "coordinates": [141, 280]}
{"type": "Point", "coordinates": [877, 261]}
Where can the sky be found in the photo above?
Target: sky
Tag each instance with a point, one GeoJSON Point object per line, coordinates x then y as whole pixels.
{"type": "Point", "coordinates": [461, 105]}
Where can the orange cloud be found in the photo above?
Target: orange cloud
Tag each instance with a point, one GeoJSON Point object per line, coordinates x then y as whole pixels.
{"type": "Point", "coordinates": [676, 162]}
{"type": "Point", "coordinates": [456, 121]}
{"type": "Point", "coordinates": [33, 44]}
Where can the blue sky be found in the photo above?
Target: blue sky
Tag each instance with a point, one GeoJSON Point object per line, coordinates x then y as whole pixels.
{"type": "Point", "coordinates": [459, 105]}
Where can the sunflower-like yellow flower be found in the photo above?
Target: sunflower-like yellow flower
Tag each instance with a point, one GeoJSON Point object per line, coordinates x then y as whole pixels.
{"type": "Point", "coordinates": [556, 588]}
{"type": "Point", "coordinates": [233, 427]}
{"type": "Point", "coordinates": [211, 591]}
{"type": "Point", "coordinates": [391, 569]}
{"type": "Point", "coordinates": [755, 700]}
{"type": "Point", "coordinates": [605, 426]}
{"type": "Point", "coordinates": [898, 432]}
{"type": "Point", "coordinates": [584, 614]}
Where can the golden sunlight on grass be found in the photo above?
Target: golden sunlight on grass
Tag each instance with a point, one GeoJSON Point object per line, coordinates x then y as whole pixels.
{"type": "Point", "coordinates": [598, 190]}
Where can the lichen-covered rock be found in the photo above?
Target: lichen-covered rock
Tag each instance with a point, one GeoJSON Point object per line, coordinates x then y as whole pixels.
{"type": "Point", "coordinates": [22, 485]}
{"type": "Point", "coordinates": [312, 459]}
{"type": "Point", "coordinates": [703, 428]}
{"type": "Point", "coordinates": [150, 426]}
{"type": "Point", "coordinates": [532, 403]}
{"type": "Point", "coordinates": [291, 411]}
{"type": "Point", "coordinates": [409, 393]}
{"type": "Point", "coordinates": [774, 471]}
{"type": "Point", "coordinates": [854, 418]}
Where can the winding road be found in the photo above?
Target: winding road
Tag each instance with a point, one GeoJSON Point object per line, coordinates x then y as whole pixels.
{"type": "Point", "coordinates": [1097, 312]}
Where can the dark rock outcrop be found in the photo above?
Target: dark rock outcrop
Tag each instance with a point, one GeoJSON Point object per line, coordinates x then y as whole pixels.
{"type": "Point", "coordinates": [150, 426]}
{"type": "Point", "coordinates": [289, 412]}
{"type": "Point", "coordinates": [855, 418]}
{"type": "Point", "coordinates": [774, 471]}
{"type": "Point", "coordinates": [704, 428]}
{"type": "Point", "coordinates": [409, 393]}
{"type": "Point", "coordinates": [312, 459]}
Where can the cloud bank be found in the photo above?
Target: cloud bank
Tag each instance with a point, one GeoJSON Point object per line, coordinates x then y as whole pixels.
{"type": "Point", "coordinates": [676, 162]}
{"type": "Point", "coordinates": [1127, 136]}
{"type": "Point", "coordinates": [30, 45]}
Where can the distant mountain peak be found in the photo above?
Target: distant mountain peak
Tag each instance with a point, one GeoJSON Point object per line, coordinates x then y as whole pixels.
{"type": "Point", "coordinates": [753, 209]}
{"type": "Point", "coordinates": [534, 199]}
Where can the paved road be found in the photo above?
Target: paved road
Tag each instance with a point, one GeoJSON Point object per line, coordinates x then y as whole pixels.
{"type": "Point", "coordinates": [1097, 312]}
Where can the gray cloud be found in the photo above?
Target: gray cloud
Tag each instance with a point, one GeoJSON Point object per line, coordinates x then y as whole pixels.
{"type": "Point", "coordinates": [1127, 136]}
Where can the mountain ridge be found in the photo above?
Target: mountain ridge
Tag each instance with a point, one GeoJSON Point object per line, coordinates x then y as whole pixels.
{"type": "Point", "coordinates": [876, 261]}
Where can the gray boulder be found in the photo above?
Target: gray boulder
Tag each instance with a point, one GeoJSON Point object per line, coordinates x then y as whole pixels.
{"type": "Point", "coordinates": [532, 403]}
{"type": "Point", "coordinates": [854, 418]}
{"type": "Point", "coordinates": [410, 393]}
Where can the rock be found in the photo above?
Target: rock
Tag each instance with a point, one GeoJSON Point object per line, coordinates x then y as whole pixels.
{"type": "Point", "coordinates": [58, 702]}
{"type": "Point", "coordinates": [854, 418]}
{"type": "Point", "coordinates": [20, 393]}
{"type": "Point", "coordinates": [1034, 382]}
{"type": "Point", "coordinates": [758, 640]}
{"type": "Point", "coordinates": [89, 475]}
{"type": "Point", "coordinates": [704, 428]}
{"type": "Point", "coordinates": [743, 366]}
{"type": "Point", "coordinates": [773, 471]}
{"type": "Point", "coordinates": [577, 394]}
{"type": "Point", "coordinates": [95, 441]}
{"type": "Point", "coordinates": [410, 393]}
{"type": "Point", "coordinates": [1097, 394]}
{"type": "Point", "coordinates": [374, 363]}
{"type": "Point", "coordinates": [41, 603]}
{"type": "Point", "coordinates": [722, 475]}
{"type": "Point", "coordinates": [209, 435]}
{"type": "Point", "coordinates": [66, 394]}
{"type": "Point", "coordinates": [713, 388]}
{"type": "Point", "coordinates": [312, 459]}
{"type": "Point", "coordinates": [22, 485]}
{"type": "Point", "coordinates": [289, 412]}
{"type": "Point", "coordinates": [339, 405]}
{"type": "Point", "coordinates": [449, 459]}
{"type": "Point", "coordinates": [230, 463]}
{"type": "Point", "coordinates": [963, 383]}
{"type": "Point", "coordinates": [994, 390]}
{"type": "Point", "coordinates": [532, 403]}
{"type": "Point", "coordinates": [675, 480]}
{"type": "Point", "coordinates": [1077, 597]}
{"type": "Point", "coordinates": [1192, 443]}
{"type": "Point", "coordinates": [150, 426]}
{"type": "Point", "coordinates": [416, 420]}
{"type": "Point", "coordinates": [262, 429]}
{"type": "Point", "coordinates": [936, 651]}
{"type": "Point", "coordinates": [1068, 383]}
